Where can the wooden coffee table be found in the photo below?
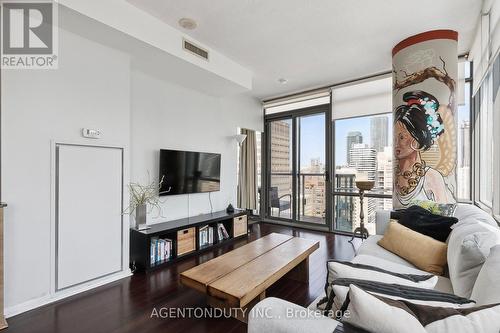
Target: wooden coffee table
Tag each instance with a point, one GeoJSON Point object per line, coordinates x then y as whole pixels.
{"type": "Point", "coordinates": [239, 278]}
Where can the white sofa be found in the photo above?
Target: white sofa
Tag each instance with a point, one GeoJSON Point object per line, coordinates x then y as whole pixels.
{"type": "Point", "coordinates": [276, 315]}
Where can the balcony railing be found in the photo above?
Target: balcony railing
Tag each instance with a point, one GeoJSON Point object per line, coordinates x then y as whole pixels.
{"type": "Point", "coordinates": [346, 208]}
{"type": "Point", "coordinates": [311, 204]}
{"type": "Point", "coordinates": [314, 217]}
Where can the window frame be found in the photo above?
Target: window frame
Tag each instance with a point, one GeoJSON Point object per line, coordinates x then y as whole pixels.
{"type": "Point", "coordinates": [477, 161]}
{"type": "Point", "coordinates": [293, 114]}
{"type": "Point", "coordinates": [472, 117]}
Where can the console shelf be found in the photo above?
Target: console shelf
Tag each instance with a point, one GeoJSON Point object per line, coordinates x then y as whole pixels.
{"type": "Point", "coordinates": [184, 234]}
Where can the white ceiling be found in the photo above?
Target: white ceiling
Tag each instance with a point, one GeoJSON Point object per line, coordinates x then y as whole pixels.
{"type": "Point", "coordinates": [313, 43]}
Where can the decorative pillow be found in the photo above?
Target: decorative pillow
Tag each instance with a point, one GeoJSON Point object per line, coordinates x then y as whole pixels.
{"type": "Point", "coordinates": [436, 208]}
{"type": "Point", "coordinates": [422, 251]}
{"type": "Point", "coordinates": [333, 304]}
{"type": "Point", "coordinates": [469, 245]}
{"type": "Point", "coordinates": [391, 272]}
{"type": "Point", "coordinates": [380, 314]}
{"type": "Point", "coordinates": [421, 220]}
{"type": "Point", "coordinates": [398, 274]}
{"type": "Point", "coordinates": [487, 287]}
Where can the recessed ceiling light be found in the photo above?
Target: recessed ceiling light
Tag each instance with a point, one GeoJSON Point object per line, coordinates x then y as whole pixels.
{"type": "Point", "coordinates": [283, 81]}
{"type": "Point", "coordinates": [188, 23]}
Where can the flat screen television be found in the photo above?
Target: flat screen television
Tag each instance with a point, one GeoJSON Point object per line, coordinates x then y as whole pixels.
{"type": "Point", "coordinates": [189, 172]}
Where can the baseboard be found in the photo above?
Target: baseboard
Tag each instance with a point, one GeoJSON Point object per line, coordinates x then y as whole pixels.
{"type": "Point", "coordinates": [38, 302]}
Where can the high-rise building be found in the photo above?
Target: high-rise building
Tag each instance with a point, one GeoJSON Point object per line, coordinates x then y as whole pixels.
{"type": "Point", "coordinates": [352, 138]}
{"type": "Point", "coordinates": [344, 205]}
{"type": "Point", "coordinates": [281, 160]}
{"type": "Point", "coordinates": [281, 146]}
{"type": "Point", "coordinates": [312, 194]}
{"type": "Point", "coordinates": [363, 158]}
{"type": "Point", "coordinates": [379, 132]}
{"type": "Point", "coordinates": [383, 181]}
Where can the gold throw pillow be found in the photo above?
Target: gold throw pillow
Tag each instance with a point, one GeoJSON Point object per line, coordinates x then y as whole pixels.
{"type": "Point", "coordinates": [422, 251]}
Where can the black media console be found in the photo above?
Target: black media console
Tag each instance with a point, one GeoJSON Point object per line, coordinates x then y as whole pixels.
{"type": "Point", "coordinates": [184, 236]}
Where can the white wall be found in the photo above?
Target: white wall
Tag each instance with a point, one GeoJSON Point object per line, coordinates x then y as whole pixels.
{"type": "Point", "coordinates": [167, 116]}
{"type": "Point", "coordinates": [43, 105]}
{"type": "Point", "coordinates": [98, 87]}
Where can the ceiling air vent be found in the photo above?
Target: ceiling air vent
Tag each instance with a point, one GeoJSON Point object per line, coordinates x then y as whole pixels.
{"type": "Point", "coordinates": [194, 49]}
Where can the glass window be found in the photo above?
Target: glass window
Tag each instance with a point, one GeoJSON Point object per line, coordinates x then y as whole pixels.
{"type": "Point", "coordinates": [280, 189]}
{"type": "Point", "coordinates": [464, 147]}
{"type": "Point", "coordinates": [311, 168]}
{"type": "Point", "coordinates": [258, 139]}
{"type": "Point", "coordinates": [486, 143]}
{"type": "Point", "coordinates": [363, 147]}
{"type": "Point", "coordinates": [464, 140]}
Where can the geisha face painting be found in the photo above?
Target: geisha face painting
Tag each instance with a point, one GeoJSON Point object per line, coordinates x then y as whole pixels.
{"type": "Point", "coordinates": [418, 125]}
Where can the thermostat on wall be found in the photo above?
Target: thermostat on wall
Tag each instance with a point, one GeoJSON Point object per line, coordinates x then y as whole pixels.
{"type": "Point", "coordinates": [91, 133]}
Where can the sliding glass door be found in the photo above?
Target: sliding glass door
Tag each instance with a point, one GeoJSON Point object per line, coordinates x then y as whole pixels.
{"type": "Point", "coordinates": [297, 164]}
{"type": "Point", "coordinates": [280, 190]}
{"type": "Point", "coordinates": [311, 168]}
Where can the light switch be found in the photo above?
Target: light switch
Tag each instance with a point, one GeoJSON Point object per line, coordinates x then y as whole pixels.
{"type": "Point", "coordinates": [91, 133]}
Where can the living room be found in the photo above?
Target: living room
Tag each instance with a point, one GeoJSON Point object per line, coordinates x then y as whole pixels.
{"type": "Point", "coordinates": [250, 166]}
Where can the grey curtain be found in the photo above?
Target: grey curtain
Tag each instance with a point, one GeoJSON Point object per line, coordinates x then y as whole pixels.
{"type": "Point", "coordinates": [247, 180]}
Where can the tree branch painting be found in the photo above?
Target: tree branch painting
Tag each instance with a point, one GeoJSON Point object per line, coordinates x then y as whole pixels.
{"type": "Point", "coordinates": [433, 72]}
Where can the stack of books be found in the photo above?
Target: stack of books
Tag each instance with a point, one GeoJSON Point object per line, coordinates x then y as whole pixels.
{"type": "Point", "coordinates": [161, 250]}
{"type": "Point", "coordinates": [222, 232]}
{"type": "Point", "coordinates": [206, 236]}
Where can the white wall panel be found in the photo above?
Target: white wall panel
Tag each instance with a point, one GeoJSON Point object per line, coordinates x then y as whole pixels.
{"type": "Point", "coordinates": [89, 206]}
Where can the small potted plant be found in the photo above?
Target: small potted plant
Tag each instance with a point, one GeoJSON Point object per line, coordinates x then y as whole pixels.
{"type": "Point", "coordinates": [143, 200]}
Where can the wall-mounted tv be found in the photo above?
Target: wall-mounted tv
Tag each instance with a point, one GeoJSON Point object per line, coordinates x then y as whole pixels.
{"type": "Point", "coordinates": [189, 172]}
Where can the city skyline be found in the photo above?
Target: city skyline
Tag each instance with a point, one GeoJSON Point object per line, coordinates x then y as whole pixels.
{"type": "Point", "coordinates": [360, 124]}
{"type": "Point", "coordinates": [370, 139]}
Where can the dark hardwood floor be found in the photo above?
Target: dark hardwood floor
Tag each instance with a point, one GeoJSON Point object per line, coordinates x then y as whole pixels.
{"type": "Point", "coordinates": [126, 305]}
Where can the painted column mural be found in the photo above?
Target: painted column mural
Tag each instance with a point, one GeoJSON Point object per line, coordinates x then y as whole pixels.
{"type": "Point", "coordinates": [425, 69]}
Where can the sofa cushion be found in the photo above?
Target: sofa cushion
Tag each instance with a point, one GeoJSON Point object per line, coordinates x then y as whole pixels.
{"type": "Point", "coordinates": [421, 220]}
{"type": "Point", "coordinates": [373, 269]}
{"type": "Point", "coordinates": [487, 287]}
{"type": "Point", "coordinates": [340, 289]}
{"type": "Point", "coordinates": [468, 247]}
{"type": "Point", "coordinates": [338, 269]}
{"type": "Point", "coordinates": [371, 248]}
{"type": "Point", "coordinates": [370, 313]}
{"type": "Point", "coordinates": [381, 314]}
{"type": "Point", "coordinates": [379, 270]}
{"type": "Point", "coordinates": [443, 284]}
{"type": "Point", "coordinates": [423, 251]}
{"type": "Point", "coordinates": [389, 265]}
